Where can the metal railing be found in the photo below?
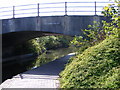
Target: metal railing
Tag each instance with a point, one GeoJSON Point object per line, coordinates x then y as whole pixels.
{"type": "Point", "coordinates": [60, 8]}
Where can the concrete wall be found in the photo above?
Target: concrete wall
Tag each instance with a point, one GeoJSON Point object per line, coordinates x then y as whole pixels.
{"type": "Point", "coordinates": [68, 25]}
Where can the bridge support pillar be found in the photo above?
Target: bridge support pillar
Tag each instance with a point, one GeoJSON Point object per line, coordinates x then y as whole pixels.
{"type": "Point", "coordinates": [66, 24]}
{"type": "Point", "coordinates": [0, 51]}
{"type": "Point", "coordinates": [12, 25]}
{"type": "Point", "coordinates": [38, 24]}
{"type": "Point", "coordinates": [96, 18]}
{"type": "Point", "coordinates": [0, 26]}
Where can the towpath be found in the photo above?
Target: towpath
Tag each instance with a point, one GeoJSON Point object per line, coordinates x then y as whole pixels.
{"type": "Point", "coordinates": [45, 76]}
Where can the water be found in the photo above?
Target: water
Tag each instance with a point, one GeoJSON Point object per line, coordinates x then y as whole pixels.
{"type": "Point", "coordinates": [11, 70]}
{"type": "Point", "coordinates": [50, 55]}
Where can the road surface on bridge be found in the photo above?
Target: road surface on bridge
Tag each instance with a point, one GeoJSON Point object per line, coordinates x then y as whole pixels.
{"type": "Point", "coordinates": [45, 76]}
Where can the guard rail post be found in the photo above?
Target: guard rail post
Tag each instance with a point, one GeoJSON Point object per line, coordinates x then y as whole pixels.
{"type": "Point", "coordinates": [13, 11]}
{"type": "Point", "coordinates": [95, 9]}
{"type": "Point", "coordinates": [38, 9]}
{"type": "Point", "coordinates": [65, 8]}
{"type": "Point", "coordinates": [119, 8]}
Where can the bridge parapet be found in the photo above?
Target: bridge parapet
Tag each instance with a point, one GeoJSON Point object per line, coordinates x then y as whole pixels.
{"type": "Point", "coordinates": [68, 25]}
{"type": "Point", "coordinates": [56, 9]}
{"type": "Point", "coordinates": [17, 30]}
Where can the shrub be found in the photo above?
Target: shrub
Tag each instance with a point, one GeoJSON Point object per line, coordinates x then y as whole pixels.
{"type": "Point", "coordinates": [31, 46]}
{"type": "Point", "coordinates": [41, 44]}
{"type": "Point", "coordinates": [96, 67]}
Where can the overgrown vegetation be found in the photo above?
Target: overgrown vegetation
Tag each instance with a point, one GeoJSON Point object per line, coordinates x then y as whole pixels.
{"type": "Point", "coordinates": [41, 44]}
{"type": "Point", "coordinates": [97, 65]}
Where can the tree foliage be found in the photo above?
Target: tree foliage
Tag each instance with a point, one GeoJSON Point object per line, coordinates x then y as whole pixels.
{"type": "Point", "coordinates": [100, 31]}
{"type": "Point", "coordinates": [41, 44]}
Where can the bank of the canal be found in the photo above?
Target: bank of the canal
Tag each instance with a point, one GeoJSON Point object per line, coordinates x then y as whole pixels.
{"type": "Point", "coordinates": [45, 76]}
{"type": "Point", "coordinates": [11, 70]}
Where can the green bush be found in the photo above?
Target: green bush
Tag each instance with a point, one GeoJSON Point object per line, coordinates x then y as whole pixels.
{"type": "Point", "coordinates": [35, 47]}
{"type": "Point", "coordinates": [54, 42]}
{"type": "Point", "coordinates": [41, 44]}
{"type": "Point", "coordinates": [31, 46]}
{"type": "Point", "coordinates": [96, 67]}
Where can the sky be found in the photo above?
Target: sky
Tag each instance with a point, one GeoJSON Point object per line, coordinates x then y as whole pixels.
{"type": "Point", "coordinates": [4, 3]}
{"type": "Point", "coordinates": [7, 3]}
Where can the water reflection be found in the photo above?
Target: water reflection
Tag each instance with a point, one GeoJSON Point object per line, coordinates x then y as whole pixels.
{"type": "Point", "coordinates": [33, 62]}
{"type": "Point", "coordinates": [50, 55]}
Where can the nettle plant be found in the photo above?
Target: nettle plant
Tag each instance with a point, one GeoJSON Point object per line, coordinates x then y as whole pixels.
{"type": "Point", "coordinates": [112, 28]}
{"type": "Point", "coordinates": [98, 32]}
{"type": "Point", "coordinates": [94, 33]}
{"type": "Point", "coordinates": [91, 35]}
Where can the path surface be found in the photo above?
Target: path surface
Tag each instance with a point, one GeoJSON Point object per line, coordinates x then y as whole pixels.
{"type": "Point", "coordinates": [45, 76]}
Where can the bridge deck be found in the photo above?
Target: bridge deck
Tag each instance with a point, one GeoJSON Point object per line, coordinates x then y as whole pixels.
{"type": "Point", "coordinates": [45, 76]}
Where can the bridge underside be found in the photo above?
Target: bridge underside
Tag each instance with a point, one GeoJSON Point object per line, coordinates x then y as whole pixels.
{"type": "Point", "coordinates": [11, 40]}
{"type": "Point", "coordinates": [15, 38]}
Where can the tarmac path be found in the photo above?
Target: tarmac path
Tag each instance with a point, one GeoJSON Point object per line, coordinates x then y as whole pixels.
{"type": "Point", "coordinates": [45, 76]}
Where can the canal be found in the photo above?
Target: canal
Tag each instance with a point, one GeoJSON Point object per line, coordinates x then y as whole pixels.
{"type": "Point", "coordinates": [10, 70]}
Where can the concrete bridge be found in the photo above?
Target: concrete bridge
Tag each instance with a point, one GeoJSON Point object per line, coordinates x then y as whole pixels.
{"type": "Point", "coordinates": [17, 30]}
{"type": "Point", "coordinates": [73, 18]}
